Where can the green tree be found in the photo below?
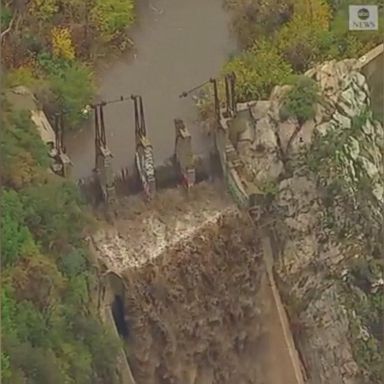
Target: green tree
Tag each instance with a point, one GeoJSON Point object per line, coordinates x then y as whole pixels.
{"type": "Point", "coordinates": [5, 16]}
{"type": "Point", "coordinates": [300, 100]}
{"type": "Point", "coordinates": [44, 10]}
{"type": "Point", "coordinates": [17, 241]}
{"type": "Point", "coordinates": [112, 17]}
{"type": "Point", "coordinates": [22, 152]}
{"type": "Point", "coordinates": [35, 364]}
{"type": "Point", "coordinates": [73, 87]}
{"type": "Point", "coordinates": [53, 213]}
{"type": "Point", "coordinates": [6, 373]}
{"type": "Point", "coordinates": [30, 324]}
{"type": "Point", "coordinates": [302, 39]}
{"type": "Point", "coordinates": [258, 70]}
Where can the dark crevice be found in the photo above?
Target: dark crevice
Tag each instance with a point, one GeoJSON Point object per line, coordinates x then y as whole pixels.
{"type": "Point", "coordinates": [118, 317]}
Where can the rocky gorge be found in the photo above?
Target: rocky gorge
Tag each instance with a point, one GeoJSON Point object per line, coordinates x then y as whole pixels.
{"type": "Point", "coordinates": [324, 176]}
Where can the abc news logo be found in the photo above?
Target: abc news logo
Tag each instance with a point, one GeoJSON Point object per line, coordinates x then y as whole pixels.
{"type": "Point", "coordinates": [363, 18]}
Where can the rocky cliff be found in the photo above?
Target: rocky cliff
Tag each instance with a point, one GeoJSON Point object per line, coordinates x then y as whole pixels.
{"type": "Point", "coordinates": [325, 178]}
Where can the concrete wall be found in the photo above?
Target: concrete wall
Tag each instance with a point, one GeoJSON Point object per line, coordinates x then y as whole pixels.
{"type": "Point", "coordinates": [372, 66]}
{"type": "Point", "coordinates": [106, 287]}
{"type": "Point", "coordinates": [235, 188]}
{"type": "Point", "coordinates": [232, 179]}
{"type": "Point", "coordinates": [115, 285]}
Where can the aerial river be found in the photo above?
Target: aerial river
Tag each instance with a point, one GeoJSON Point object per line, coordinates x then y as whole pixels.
{"type": "Point", "coordinates": [178, 45]}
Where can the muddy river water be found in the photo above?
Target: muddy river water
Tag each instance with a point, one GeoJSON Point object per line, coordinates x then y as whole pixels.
{"type": "Point", "coordinates": [178, 44]}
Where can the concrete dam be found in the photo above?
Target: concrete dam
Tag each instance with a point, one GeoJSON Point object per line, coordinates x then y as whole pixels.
{"type": "Point", "coordinates": [189, 282]}
{"type": "Point", "coordinates": [186, 278]}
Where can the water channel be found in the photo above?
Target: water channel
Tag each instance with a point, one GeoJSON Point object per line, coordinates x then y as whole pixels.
{"type": "Point", "coordinates": [178, 44]}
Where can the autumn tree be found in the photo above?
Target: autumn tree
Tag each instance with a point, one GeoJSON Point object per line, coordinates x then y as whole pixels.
{"type": "Point", "coordinates": [62, 46]}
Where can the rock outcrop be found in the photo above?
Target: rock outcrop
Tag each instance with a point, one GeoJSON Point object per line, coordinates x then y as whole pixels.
{"type": "Point", "coordinates": [328, 220]}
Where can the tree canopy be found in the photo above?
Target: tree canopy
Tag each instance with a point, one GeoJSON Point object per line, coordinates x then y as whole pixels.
{"type": "Point", "coordinates": [50, 332]}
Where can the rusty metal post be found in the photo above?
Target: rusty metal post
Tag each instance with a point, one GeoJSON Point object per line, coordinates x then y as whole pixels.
{"type": "Point", "coordinates": [143, 129]}
{"type": "Point", "coordinates": [103, 138]}
{"type": "Point", "coordinates": [97, 135]}
{"type": "Point", "coordinates": [216, 101]}
{"type": "Point", "coordinates": [227, 96]}
{"type": "Point", "coordinates": [230, 93]}
{"type": "Point", "coordinates": [136, 117]}
{"type": "Point", "coordinates": [233, 93]}
{"type": "Point", "coordinates": [144, 151]}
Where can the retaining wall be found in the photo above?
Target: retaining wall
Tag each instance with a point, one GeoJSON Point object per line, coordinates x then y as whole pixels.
{"type": "Point", "coordinates": [231, 177]}
{"type": "Point", "coordinates": [235, 189]}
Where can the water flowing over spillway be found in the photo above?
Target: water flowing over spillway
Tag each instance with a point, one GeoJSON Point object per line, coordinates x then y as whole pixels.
{"type": "Point", "coordinates": [196, 305]}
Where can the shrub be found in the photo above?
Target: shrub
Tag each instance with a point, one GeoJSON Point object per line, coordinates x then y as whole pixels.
{"type": "Point", "coordinates": [301, 40]}
{"type": "Point", "coordinates": [53, 214]}
{"type": "Point", "coordinates": [300, 100]}
{"type": "Point", "coordinates": [72, 86]}
{"type": "Point", "coordinates": [112, 17]}
{"type": "Point", "coordinates": [317, 12]}
{"type": "Point", "coordinates": [62, 46]}
{"type": "Point", "coordinates": [21, 76]}
{"type": "Point", "coordinates": [74, 89]}
{"type": "Point", "coordinates": [258, 71]}
{"type": "Point", "coordinates": [43, 10]}
{"type": "Point", "coordinates": [6, 373]}
{"type": "Point", "coordinates": [17, 241]}
{"type": "Point", "coordinates": [252, 19]}
{"type": "Point", "coordinates": [39, 366]}
{"type": "Point", "coordinates": [5, 16]}
{"type": "Point", "coordinates": [22, 151]}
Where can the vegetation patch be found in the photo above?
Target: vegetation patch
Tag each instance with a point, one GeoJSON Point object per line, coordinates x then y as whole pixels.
{"type": "Point", "coordinates": [52, 43]}
{"type": "Point", "coordinates": [112, 16]}
{"type": "Point", "coordinates": [258, 70]}
{"type": "Point", "coordinates": [365, 303]}
{"type": "Point", "coordinates": [300, 101]}
{"type": "Point", "coordinates": [281, 37]}
{"type": "Point", "coordinates": [50, 332]}
{"type": "Point", "coordinates": [348, 188]}
{"type": "Point", "coordinates": [252, 18]}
